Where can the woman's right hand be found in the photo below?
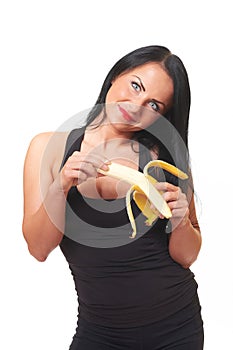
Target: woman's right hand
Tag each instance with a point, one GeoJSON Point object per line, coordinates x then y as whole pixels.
{"type": "Point", "coordinates": [79, 167]}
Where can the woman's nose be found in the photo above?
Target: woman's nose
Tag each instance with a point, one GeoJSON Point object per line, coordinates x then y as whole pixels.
{"type": "Point", "coordinates": [136, 105]}
{"type": "Point", "coordinates": [138, 101]}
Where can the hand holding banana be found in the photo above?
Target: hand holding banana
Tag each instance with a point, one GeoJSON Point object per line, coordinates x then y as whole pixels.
{"type": "Point", "coordinates": [149, 200]}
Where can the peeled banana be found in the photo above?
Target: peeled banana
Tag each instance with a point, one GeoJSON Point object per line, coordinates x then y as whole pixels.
{"type": "Point", "coordinates": [146, 196]}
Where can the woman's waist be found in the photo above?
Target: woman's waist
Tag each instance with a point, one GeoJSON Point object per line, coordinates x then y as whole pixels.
{"type": "Point", "coordinates": [137, 308]}
{"type": "Point", "coordinates": [128, 288]}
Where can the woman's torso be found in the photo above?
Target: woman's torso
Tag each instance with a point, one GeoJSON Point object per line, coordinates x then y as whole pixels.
{"type": "Point", "coordinates": [120, 281]}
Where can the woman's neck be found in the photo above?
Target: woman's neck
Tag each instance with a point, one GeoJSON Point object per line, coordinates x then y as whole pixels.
{"type": "Point", "coordinates": [103, 132]}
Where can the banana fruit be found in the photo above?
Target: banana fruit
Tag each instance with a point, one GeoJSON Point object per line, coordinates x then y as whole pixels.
{"type": "Point", "coordinates": [146, 196]}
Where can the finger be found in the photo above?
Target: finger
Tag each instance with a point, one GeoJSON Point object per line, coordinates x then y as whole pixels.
{"type": "Point", "coordinates": [96, 160]}
{"type": "Point", "coordinates": [85, 165]}
{"type": "Point", "coordinates": [171, 196]}
{"type": "Point", "coordinates": [70, 173]}
{"type": "Point", "coordinates": [81, 177]}
{"type": "Point", "coordinates": [165, 186]}
{"type": "Point", "coordinates": [88, 169]}
{"type": "Point", "coordinates": [81, 169]}
{"type": "Point", "coordinates": [178, 204]}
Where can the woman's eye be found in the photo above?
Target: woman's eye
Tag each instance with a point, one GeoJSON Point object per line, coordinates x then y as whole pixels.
{"type": "Point", "coordinates": [154, 106]}
{"type": "Point", "coordinates": [136, 86]}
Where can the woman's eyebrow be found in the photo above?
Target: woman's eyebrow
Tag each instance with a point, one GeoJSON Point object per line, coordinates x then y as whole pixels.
{"type": "Point", "coordinates": [143, 88]}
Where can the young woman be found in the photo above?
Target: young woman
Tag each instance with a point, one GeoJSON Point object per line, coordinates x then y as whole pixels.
{"type": "Point", "coordinates": [132, 293]}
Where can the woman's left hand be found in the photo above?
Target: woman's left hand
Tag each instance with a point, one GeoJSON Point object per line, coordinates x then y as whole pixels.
{"type": "Point", "coordinates": [177, 202]}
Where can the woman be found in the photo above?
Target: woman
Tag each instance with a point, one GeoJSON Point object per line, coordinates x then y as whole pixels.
{"type": "Point", "coordinates": [132, 294]}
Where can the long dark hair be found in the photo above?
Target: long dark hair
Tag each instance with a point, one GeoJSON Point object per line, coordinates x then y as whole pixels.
{"type": "Point", "coordinates": [177, 116]}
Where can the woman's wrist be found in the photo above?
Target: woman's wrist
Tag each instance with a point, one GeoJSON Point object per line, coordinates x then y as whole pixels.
{"type": "Point", "coordinates": [57, 188]}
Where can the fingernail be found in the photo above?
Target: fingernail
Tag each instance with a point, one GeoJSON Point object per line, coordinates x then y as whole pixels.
{"type": "Point", "coordinates": [105, 167]}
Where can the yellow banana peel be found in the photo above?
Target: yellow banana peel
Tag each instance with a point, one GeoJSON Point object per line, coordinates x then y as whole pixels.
{"type": "Point", "coordinates": [148, 199]}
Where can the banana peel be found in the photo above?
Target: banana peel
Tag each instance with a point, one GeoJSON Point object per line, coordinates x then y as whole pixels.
{"type": "Point", "coordinates": [148, 199]}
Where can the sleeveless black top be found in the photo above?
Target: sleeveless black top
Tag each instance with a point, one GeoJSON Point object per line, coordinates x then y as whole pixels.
{"type": "Point", "coordinates": [120, 281]}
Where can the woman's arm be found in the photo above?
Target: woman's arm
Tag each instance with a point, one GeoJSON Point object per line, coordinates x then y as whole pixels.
{"type": "Point", "coordinates": [185, 239]}
{"type": "Point", "coordinates": [46, 189]}
{"type": "Point", "coordinates": [42, 232]}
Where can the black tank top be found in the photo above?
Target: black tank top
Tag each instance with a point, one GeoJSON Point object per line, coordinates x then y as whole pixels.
{"type": "Point", "coordinates": [120, 281]}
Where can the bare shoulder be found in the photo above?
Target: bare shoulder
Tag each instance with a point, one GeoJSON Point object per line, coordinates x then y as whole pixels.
{"type": "Point", "coordinates": [37, 145]}
{"type": "Point", "coordinates": [51, 146]}
{"type": "Point", "coordinates": [47, 148]}
{"type": "Point", "coordinates": [42, 164]}
{"type": "Point", "coordinates": [45, 139]}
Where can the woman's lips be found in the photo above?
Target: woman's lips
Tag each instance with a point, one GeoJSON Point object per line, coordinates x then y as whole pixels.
{"type": "Point", "coordinates": [126, 115]}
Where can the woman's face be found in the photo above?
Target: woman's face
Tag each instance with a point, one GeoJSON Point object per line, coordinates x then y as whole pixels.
{"type": "Point", "coordinates": [138, 97]}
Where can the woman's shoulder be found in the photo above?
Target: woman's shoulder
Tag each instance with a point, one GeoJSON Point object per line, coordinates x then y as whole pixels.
{"type": "Point", "coordinates": [47, 149]}
{"type": "Point", "coordinates": [48, 142]}
{"type": "Point", "coordinates": [44, 138]}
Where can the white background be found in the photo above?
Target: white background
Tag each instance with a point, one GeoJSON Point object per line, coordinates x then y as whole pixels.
{"type": "Point", "coordinates": [54, 57]}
